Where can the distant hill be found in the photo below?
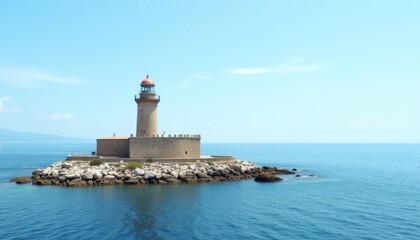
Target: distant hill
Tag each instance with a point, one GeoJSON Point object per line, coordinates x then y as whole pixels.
{"type": "Point", "coordinates": [8, 136]}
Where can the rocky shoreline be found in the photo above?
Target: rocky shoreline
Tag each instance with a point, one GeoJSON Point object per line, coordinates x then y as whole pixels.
{"type": "Point", "coordinates": [79, 173]}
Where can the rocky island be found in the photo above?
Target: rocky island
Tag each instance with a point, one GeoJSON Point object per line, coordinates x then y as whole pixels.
{"type": "Point", "coordinates": [81, 173]}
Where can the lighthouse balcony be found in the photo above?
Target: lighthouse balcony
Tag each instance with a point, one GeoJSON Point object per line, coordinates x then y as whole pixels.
{"type": "Point", "coordinates": [146, 96]}
{"type": "Point", "coordinates": [168, 136]}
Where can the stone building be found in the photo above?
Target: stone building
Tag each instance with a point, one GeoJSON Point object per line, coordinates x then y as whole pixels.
{"type": "Point", "coordinates": [148, 143]}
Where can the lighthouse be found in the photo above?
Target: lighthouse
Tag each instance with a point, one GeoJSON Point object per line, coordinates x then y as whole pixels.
{"type": "Point", "coordinates": [147, 143]}
{"type": "Point", "coordinates": [147, 116]}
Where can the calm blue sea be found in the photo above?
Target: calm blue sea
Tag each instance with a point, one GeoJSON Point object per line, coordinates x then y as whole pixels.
{"type": "Point", "coordinates": [362, 192]}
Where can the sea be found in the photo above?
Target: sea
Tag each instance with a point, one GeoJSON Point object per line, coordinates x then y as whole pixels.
{"type": "Point", "coordinates": [359, 191]}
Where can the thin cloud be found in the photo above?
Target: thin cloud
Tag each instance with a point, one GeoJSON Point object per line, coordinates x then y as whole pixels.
{"type": "Point", "coordinates": [56, 116]}
{"type": "Point", "coordinates": [29, 78]}
{"type": "Point", "coordinates": [249, 71]}
{"type": "Point", "coordinates": [3, 109]}
{"type": "Point", "coordinates": [292, 66]}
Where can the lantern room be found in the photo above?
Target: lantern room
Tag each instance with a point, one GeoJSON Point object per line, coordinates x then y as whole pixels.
{"type": "Point", "coordinates": [147, 85]}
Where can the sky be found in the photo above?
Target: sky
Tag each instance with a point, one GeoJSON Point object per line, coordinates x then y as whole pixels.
{"type": "Point", "coordinates": [277, 71]}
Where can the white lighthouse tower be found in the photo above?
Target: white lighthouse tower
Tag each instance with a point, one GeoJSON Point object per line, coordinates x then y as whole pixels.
{"type": "Point", "coordinates": [147, 116]}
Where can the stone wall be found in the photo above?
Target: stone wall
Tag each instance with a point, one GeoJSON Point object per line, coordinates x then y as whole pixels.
{"type": "Point", "coordinates": [88, 158]}
{"type": "Point", "coordinates": [165, 147]}
{"type": "Point", "coordinates": [118, 147]}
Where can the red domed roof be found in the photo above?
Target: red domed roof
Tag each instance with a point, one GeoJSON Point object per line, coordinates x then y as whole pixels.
{"type": "Point", "coordinates": [147, 81]}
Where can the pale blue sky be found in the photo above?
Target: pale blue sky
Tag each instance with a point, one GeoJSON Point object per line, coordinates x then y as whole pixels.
{"type": "Point", "coordinates": [232, 71]}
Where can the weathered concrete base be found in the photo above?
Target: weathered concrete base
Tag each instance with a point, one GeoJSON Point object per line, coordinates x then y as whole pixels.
{"type": "Point", "coordinates": [72, 173]}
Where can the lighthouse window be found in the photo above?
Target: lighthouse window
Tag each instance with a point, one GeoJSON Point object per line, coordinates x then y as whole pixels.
{"type": "Point", "coordinates": [186, 152]}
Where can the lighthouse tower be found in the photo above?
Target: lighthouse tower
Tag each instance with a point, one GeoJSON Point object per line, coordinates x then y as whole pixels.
{"type": "Point", "coordinates": [147, 117]}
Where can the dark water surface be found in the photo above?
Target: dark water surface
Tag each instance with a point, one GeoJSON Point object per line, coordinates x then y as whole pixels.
{"type": "Point", "coordinates": [362, 192]}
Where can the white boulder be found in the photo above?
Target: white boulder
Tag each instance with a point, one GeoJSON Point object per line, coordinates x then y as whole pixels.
{"type": "Point", "coordinates": [88, 175]}
{"type": "Point", "coordinates": [109, 177]}
{"type": "Point", "coordinates": [138, 172]}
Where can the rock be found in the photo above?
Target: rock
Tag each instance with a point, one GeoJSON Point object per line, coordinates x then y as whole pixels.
{"type": "Point", "coordinates": [119, 181]}
{"type": "Point", "coordinates": [66, 165]}
{"type": "Point", "coordinates": [172, 180]}
{"type": "Point", "coordinates": [294, 169]}
{"type": "Point", "coordinates": [175, 174]}
{"type": "Point", "coordinates": [267, 178]}
{"type": "Point", "coordinates": [152, 174]}
{"type": "Point", "coordinates": [190, 179]}
{"type": "Point", "coordinates": [71, 176]}
{"type": "Point", "coordinates": [106, 182]}
{"type": "Point", "coordinates": [120, 175]}
{"type": "Point", "coordinates": [109, 177]}
{"type": "Point", "coordinates": [55, 182]}
{"type": "Point", "coordinates": [167, 176]}
{"type": "Point", "coordinates": [202, 175]}
{"type": "Point", "coordinates": [236, 167]}
{"type": "Point", "coordinates": [225, 173]}
{"type": "Point", "coordinates": [21, 180]}
{"type": "Point", "coordinates": [138, 172]}
{"type": "Point", "coordinates": [297, 175]}
{"type": "Point", "coordinates": [82, 183]}
{"type": "Point", "coordinates": [284, 171]}
{"type": "Point", "coordinates": [97, 175]}
{"type": "Point", "coordinates": [88, 175]}
{"type": "Point", "coordinates": [55, 174]}
{"type": "Point", "coordinates": [73, 182]}
{"type": "Point", "coordinates": [152, 181]}
{"type": "Point", "coordinates": [46, 171]}
{"type": "Point", "coordinates": [42, 182]}
{"type": "Point", "coordinates": [132, 180]}
{"type": "Point", "coordinates": [160, 181]}
{"type": "Point", "coordinates": [182, 174]}
{"type": "Point", "coordinates": [75, 168]}
{"type": "Point", "coordinates": [37, 172]}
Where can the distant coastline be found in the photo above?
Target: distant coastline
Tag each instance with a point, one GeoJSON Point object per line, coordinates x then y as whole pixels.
{"type": "Point", "coordinates": [9, 136]}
